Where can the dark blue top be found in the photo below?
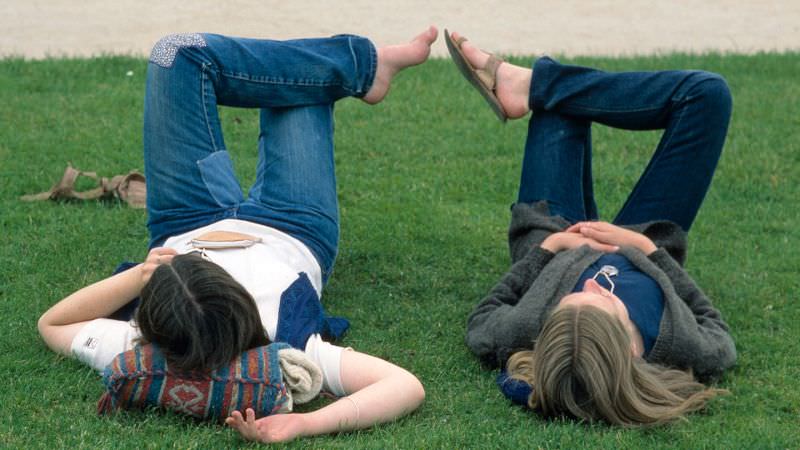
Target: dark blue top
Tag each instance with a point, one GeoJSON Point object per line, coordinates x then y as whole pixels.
{"type": "Point", "coordinates": [640, 294]}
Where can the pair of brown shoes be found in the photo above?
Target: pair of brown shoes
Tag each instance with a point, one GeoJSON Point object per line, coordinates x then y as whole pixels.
{"type": "Point", "coordinates": [129, 188]}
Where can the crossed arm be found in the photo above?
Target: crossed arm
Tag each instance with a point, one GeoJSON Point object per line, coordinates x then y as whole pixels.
{"type": "Point", "coordinates": [601, 236]}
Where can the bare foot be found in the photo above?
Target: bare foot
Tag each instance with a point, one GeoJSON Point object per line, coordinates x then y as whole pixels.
{"type": "Point", "coordinates": [513, 82]}
{"type": "Point", "coordinates": [394, 58]}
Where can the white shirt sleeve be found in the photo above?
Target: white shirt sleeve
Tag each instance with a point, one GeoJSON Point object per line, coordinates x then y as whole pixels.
{"type": "Point", "coordinates": [329, 358]}
{"type": "Point", "coordinates": [100, 340]}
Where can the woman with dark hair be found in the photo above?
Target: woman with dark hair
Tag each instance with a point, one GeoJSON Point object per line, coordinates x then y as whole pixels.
{"type": "Point", "coordinates": [224, 271]}
{"type": "Point", "coordinates": [597, 320]}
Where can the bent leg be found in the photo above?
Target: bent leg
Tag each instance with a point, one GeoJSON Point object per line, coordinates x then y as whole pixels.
{"type": "Point", "coordinates": [693, 108]}
{"type": "Point", "coordinates": [190, 179]}
{"type": "Point", "coordinates": [676, 180]}
{"type": "Point", "coordinates": [295, 187]}
{"type": "Point", "coordinates": [557, 166]}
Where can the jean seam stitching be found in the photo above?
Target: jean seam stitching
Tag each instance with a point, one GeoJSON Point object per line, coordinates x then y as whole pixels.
{"type": "Point", "coordinates": [212, 192]}
{"type": "Point", "coordinates": [279, 81]}
{"type": "Point", "coordinates": [203, 81]}
{"type": "Point", "coordinates": [373, 68]}
{"type": "Point", "coordinates": [602, 110]}
{"type": "Point", "coordinates": [355, 63]}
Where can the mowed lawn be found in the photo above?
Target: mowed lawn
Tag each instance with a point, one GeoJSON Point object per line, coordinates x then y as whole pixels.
{"type": "Point", "coordinates": [425, 183]}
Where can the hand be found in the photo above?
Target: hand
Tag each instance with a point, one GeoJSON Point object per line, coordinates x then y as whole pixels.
{"type": "Point", "coordinates": [156, 257]}
{"type": "Point", "coordinates": [563, 240]}
{"type": "Point", "coordinates": [274, 428]}
{"type": "Point", "coordinates": [607, 233]}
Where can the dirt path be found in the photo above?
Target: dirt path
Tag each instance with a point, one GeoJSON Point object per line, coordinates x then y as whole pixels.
{"type": "Point", "coordinates": [37, 28]}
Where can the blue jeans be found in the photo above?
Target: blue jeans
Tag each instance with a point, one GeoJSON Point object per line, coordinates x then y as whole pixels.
{"type": "Point", "coordinates": [190, 177]}
{"type": "Point", "coordinates": [692, 107]}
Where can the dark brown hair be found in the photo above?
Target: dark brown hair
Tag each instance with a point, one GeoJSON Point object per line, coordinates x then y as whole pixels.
{"type": "Point", "coordinates": [582, 366]}
{"type": "Point", "coordinates": [198, 315]}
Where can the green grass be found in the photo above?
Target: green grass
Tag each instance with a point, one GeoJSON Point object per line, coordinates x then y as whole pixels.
{"type": "Point", "coordinates": [426, 179]}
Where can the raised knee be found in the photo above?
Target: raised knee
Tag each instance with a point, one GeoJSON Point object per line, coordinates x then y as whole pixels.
{"type": "Point", "coordinates": [713, 90]}
{"type": "Point", "coordinates": [166, 49]}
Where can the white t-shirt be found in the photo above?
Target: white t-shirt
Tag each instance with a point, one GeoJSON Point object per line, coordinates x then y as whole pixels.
{"type": "Point", "coordinates": [265, 269]}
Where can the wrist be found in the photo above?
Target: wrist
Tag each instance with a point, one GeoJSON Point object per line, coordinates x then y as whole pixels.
{"type": "Point", "coordinates": [551, 243]}
{"type": "Point", "coordinates": [304, 425]}
{"type": "Point", "coordinates": [139, 275]}
{"type": "Point", "coordinates": [647, 247]}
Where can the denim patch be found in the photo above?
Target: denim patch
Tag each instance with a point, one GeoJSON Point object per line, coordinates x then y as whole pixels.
{"type": "Point", "coordinates": [166, 48]}
{"type": "Point", "coordinates": [217, 172]}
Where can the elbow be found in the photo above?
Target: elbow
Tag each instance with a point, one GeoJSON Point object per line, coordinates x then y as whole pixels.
{"type": "Point", "coordinates": [52, 335]}
{"type": "Point", "coordinates": [729, 359]}
{"type": "Point", "coordinates": [43, 324]}
{"type": "Point", "coordinates": [415, 392]}
{"type": "Point", "coordinates": [46, 330]}
{"type": "Point", "coordinates": [713, 365]}
{"type": "Point", "coordinates": [410, 392]}
{"type": "Point", "coordinates": [419, 392]}
{"type": "Point", "coordinates": [725, 354]}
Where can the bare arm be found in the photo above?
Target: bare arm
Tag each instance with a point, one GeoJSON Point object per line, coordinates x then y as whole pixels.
{"type": "Point", "coordinates": [59, 324]}
{"type": "Point", "coordinates": [379, 392]}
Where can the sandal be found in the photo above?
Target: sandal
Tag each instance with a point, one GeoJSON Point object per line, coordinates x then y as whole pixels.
{"type": "Point", "coordinates": [484, 80]}
{"type": "Point", "coordinates": [129, 188]}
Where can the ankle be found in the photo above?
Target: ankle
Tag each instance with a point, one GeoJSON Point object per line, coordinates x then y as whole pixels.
{"type": "Point", "coordinates": [394, 58]}
{"type": "Point", "coordinates": [513, 89]}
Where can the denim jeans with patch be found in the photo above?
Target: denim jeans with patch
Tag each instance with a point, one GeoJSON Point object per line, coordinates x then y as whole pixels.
{"type": "Point", "coordinates": [692, 107]}
{"type": "Point", "coordinates": [190, 177]}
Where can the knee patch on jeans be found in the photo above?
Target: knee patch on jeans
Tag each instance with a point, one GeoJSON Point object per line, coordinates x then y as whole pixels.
{"type": "Point", "coordinates": [217, 173]}
{"type": "Point", "coordinates": [165, 50]}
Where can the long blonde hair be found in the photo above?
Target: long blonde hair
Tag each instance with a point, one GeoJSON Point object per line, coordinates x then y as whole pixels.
{"type": "Point", "coordinates": [582, 366]}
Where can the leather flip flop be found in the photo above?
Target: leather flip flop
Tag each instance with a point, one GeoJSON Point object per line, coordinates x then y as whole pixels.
{"type": "Point", "coordinates": [484, 80]}
{"type": "Point", "coordinates": [129, 188]}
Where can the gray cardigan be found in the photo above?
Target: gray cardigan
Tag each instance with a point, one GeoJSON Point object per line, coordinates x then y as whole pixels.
{"type": "Point", "coordinates": [692, 334]}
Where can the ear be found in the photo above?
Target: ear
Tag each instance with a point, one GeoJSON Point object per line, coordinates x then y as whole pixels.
{"type": "Point", "coordinates": [637, 346]}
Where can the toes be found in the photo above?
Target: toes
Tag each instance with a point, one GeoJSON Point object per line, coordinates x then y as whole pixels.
{"type": "Point", "coordinates": [432, 34]}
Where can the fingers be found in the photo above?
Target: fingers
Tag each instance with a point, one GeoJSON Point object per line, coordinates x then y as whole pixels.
{"type": "Point", "coordinates": [162, 252]}
{"type": "Point", "coordinates": [161, 255]}
{"type": "Point", "coordinates": [251, 417]}
{"type": "Point", "coordinates": [235, 420]}
{"type": "Point", "coordinates": [599, 231]}
{"type": "Point", "coordinates": [596, 225]}
{"type": "Point", "coordinates": [594, 233]}
{"type": "Point", "coordinates": [606, 248]}
{"type": "Point", "coordinates": [246, 427]}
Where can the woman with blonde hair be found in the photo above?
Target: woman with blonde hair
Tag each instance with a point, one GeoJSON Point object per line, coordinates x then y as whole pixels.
{"type": "Point", "coordinates": [595, 320]}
